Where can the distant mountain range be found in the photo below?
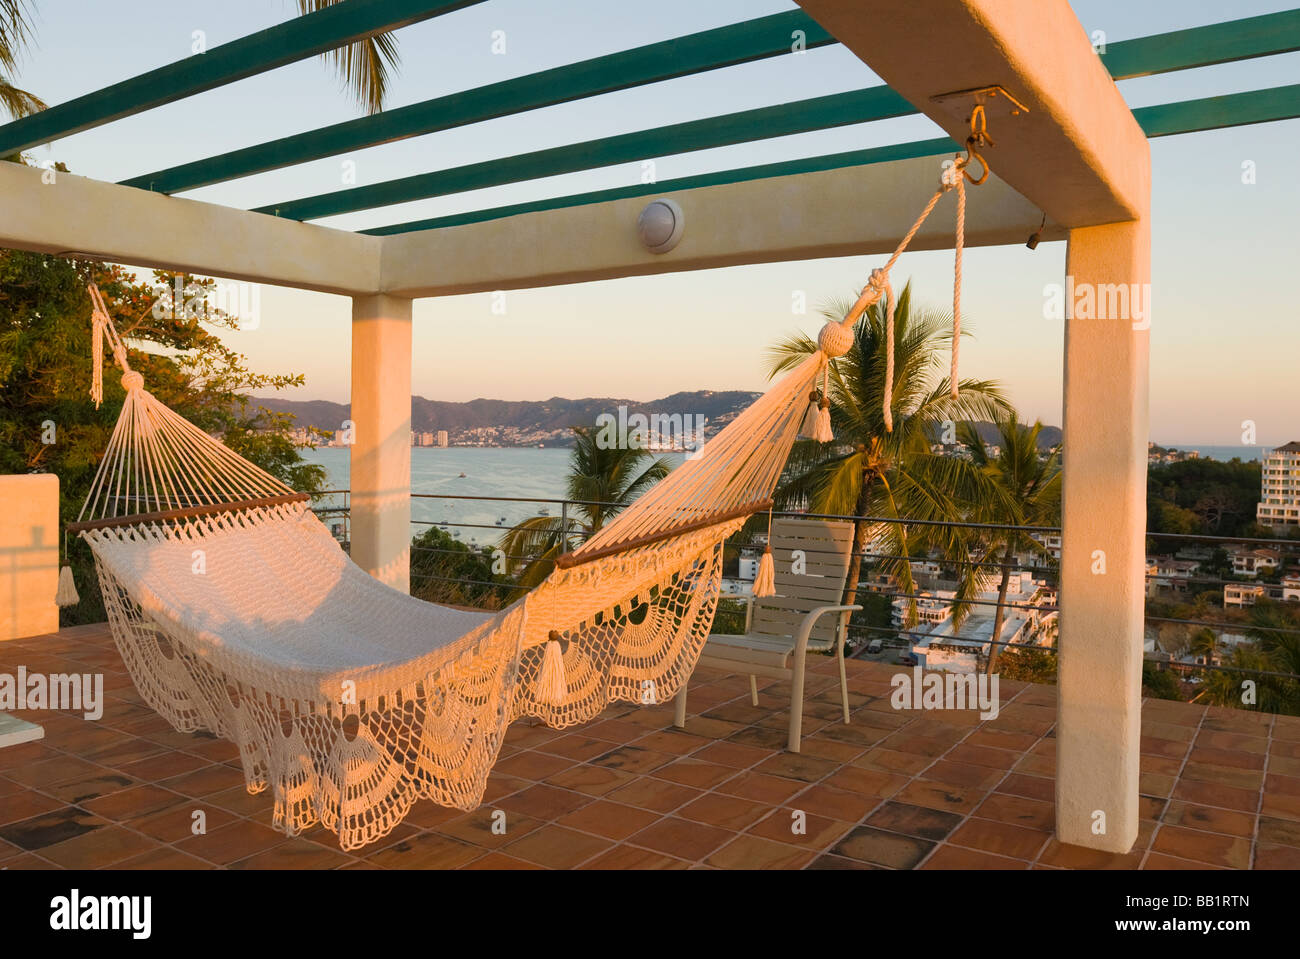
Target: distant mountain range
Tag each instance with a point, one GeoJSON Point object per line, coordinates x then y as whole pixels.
{"type": "Point", "coordinates": [1047, 438]}
{"type": "Point", "coordinates": [525, 422]}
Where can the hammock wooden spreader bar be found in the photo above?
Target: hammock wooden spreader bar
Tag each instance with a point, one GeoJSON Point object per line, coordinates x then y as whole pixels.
{"type": "Point", "coordinates": [207, 509]}
{"type": "Point", "coordinates": [570, 560]}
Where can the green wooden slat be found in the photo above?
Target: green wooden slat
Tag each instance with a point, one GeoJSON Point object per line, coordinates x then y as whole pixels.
{"type": "Point", "coordinates": [833, 161]}
{"type": "Point", "coordinates": [1204, 46]}
{"type": "Point", "coordinates": [285, 43]}
{"type": "Point", "coordinates": [707, 50]}
{"type": "Point", "coordinates": [802, 116]}
{"type": "Point", "coordinates": [682, 56]}
{"type": "Point", "coordinates": [1168, 119]}
{"type": "Point", "coordinates": [1215, 113]}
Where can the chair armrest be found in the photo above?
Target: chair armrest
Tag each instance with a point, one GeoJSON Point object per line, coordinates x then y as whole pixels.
{"type": "Point", "coordinates": [810, 620]}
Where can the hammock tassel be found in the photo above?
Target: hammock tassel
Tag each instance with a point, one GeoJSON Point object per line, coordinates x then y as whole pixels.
{"type": "Point", "coordinates": [822, 431]}
{"type": "Point", "coordinates": [67, 592]}
{"type": "Point", "coordinates": [97, 359]}
{"type": "Point", "coordinates": [552, 687]}
{"type": "Point", "coordinates": [765, 578]}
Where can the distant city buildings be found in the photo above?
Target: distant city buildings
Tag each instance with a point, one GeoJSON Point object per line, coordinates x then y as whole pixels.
{"type": "Point", "coordinates": [437, 439]}
{"type": "Point", "coordinates": [1279, 503]}
{"type": "Point", "coordinates": [1159, 454]}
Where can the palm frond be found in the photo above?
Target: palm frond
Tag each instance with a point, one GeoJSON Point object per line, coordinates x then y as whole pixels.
{"type": "Point", "coordinates": [366, 66]}
{"type": "Point", "coordinates": [19, 103]}
{"type": "Point", "coordinates": [15, 32]}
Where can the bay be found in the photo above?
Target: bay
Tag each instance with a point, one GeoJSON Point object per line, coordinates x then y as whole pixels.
{"type": "Point", "coordinates": [523, 474]}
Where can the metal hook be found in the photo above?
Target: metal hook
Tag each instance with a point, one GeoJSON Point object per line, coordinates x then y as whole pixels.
{"type": "Point", "coordinates": [965, 167]}
{"type": "Point", "coordinates": [979, 137]}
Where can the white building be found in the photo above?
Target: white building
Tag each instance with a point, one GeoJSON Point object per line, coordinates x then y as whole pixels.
{"type": "Point", "coordinates": [1030, 620]}
{"type": "Point", "coordinates": [1168, 572]}
{"type": "Point", "coordinates": [1252, 562]}
{"type": "Point", "coordinates": [1279, 503]}
{"type": "Point", "coordinates": [1241, 594]}
{"type": "Point", "coordinates": [1291, 587]}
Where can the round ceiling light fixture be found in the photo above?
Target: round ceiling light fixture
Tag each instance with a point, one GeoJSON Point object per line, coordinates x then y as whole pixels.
{"type": "Point", "coordinates": [660, 225]}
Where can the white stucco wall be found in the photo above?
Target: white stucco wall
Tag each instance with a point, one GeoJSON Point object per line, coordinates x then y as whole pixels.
{"type": "Point", "coordinates": [29, 555]}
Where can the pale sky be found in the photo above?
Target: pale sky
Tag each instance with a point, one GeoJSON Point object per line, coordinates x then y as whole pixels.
{"type": "Point", "coordinates": [1224, 341]}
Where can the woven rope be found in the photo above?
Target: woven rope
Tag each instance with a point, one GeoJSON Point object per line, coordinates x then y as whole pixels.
{"type": "Point", "coordinates": [349, 700]}
{"type": "Point", "coordinates": [953, 178]}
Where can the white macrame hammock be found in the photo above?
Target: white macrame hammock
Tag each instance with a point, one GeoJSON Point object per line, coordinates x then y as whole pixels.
{"type": "Point", "coordinates": [237, 612]}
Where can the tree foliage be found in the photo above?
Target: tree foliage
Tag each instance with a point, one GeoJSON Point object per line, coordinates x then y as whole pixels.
{"type": "Point", "coordinates": [1203, 496]}
{"type": "Point", "coordinates": [444, 570]}
{"type": "Point", "coordinates": [49, 424]}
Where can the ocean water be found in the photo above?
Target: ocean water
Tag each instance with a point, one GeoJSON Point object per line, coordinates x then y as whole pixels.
{"type": "Point", "coordinates": [1225, 453]}
{"type": "Point", "coordinates": [524, 473]}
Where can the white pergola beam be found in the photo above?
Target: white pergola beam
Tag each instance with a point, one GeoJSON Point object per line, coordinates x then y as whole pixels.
{"type": "Point", "coordinates": [846, 212]}
{"type": "Point", "coordinates": [77, 216]}
{"type": "Point", "coordinates": [1078, 153]}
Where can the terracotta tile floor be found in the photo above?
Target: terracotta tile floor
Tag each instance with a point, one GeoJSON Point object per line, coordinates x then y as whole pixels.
{"type": "Point", "coordinates": [892, 790]}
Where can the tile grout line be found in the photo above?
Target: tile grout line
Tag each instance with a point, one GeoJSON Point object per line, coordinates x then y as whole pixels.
{"type": "Point", "coordinates": [1263, 785]}
{"type": "Point", "coordinates": [1178, 777]}
{"type": "Point", "coordinates": [1005, 776]}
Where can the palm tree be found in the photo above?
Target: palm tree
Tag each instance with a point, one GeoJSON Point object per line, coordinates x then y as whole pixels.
{"type": "Point", "coordinates": [605, 480]}
{"type": "Point", "coordinates": [1022, 489]}
{"type": "Point", "coordinates": [893, 476]}
{"type": "Point", "coordinates": [1205, 645]}
{"type": "Point", "coordinates": [15, 31]}
{"type": "Point", "coordinates": [1270, 693]}
{"type": "Point", "coordinates": [364, 66]}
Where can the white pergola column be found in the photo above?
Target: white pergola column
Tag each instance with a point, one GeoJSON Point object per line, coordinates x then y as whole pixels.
{"type": "Point", "coordinates": [381, 446]}
{"type": "Point", "coordinates": [1104, 541]}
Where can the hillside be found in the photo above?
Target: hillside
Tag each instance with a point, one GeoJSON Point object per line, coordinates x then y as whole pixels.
{"type": "Point", "coordinates": [524, 422]}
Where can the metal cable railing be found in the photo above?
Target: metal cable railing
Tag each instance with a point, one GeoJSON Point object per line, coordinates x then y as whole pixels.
{"type": "Point", "coordinates": [898, 634]}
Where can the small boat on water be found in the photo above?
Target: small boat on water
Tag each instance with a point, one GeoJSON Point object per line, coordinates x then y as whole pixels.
{"type": "Point", "coordinates": [543, 512]}
{"type": "Point", "coordinates": [461, 476]}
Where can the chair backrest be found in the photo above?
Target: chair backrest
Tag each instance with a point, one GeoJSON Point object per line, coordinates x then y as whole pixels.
{"type": "Point", "coordinates": [812, 563]}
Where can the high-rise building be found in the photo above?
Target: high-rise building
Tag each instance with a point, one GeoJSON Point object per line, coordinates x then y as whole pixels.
{"type": "Point", "coordinates": [442, 438]}
{"type": "Point", "coordinates": [1279, 500]}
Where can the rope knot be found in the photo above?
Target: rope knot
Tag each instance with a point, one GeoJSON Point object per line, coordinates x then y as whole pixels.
{"type": "Point", "coordinates": [834, 340]}
{"type": "Point", "coordinates": [952, 175]}
{"type": "Point", "coordinates": [131, 380]}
